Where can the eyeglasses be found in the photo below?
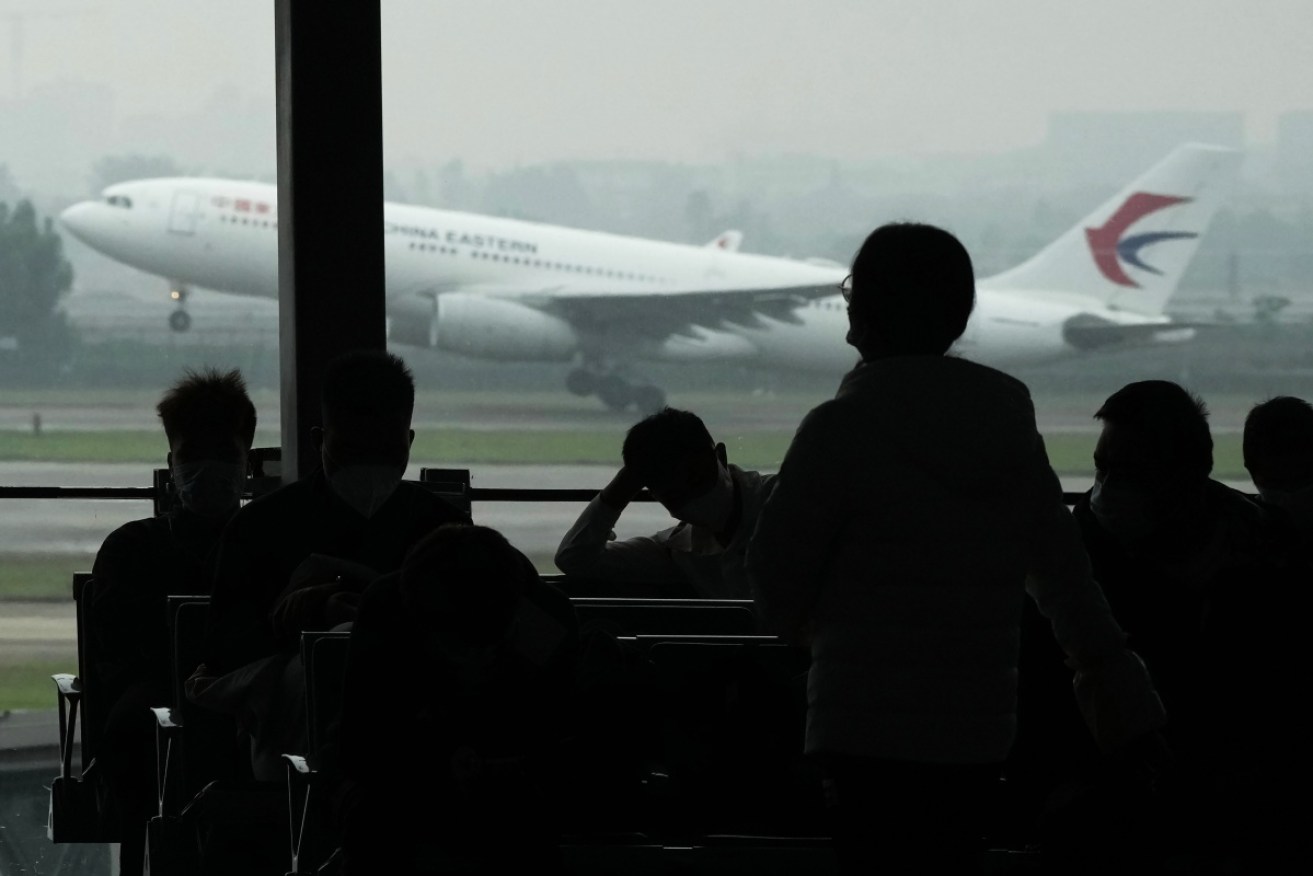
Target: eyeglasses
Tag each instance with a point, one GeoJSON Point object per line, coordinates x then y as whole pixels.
{"type": "Point", "coordinates": [846, 288]}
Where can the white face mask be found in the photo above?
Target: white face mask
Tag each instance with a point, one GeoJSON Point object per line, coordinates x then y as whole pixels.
{"type": "Point", "coordinates": [209, 487]}
{"type": "Point", "coordinates": [365, 487]}
{"type": "Point", "coordinates": [713, 508]}
{"type": "Point", "coordinates": [1122, 511]}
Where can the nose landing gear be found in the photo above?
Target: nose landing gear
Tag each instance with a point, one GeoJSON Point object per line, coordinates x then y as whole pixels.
{"type": "Point", "coordinates": [180, 319]}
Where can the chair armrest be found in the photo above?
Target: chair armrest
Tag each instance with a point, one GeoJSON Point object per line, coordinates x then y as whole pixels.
{"type": "Point", "coordinates": [298, 764]}
{"type": "Point", "coordinates": [168, 730]}
{"type": "Point", "coordinates": [167, 720]}
{"type": "Point", "coordinates": [70, 686]}
{"type": "Point", "coordinates": [301, 780]}
{"type": "Point", "coordinates": [70, 694]}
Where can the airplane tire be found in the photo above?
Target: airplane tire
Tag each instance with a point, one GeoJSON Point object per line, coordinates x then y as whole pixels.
{"type": "Point", "coordinates": [649, 399]}
{"type": "Point", "coordinates": [581, 383]}
{"type": "Point", "coordinates": [615, 393]}
{"type": "Point", "coordinates": [180, 320]}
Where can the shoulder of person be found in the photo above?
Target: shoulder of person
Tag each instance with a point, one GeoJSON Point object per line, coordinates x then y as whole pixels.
{"type": "Point", "coordinates": [132, 538]}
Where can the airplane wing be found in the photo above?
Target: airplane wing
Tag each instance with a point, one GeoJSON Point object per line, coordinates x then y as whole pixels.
{"type": "Point", "coordinates": [669, 312]}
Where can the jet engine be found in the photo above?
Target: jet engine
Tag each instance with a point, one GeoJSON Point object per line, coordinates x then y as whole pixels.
{"type": "Point", "coordinates": [490, 328]}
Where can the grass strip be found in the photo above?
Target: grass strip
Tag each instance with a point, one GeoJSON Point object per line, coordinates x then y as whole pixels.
{"type": "Point", "coordinates": [40, 576]}
{"type": "Point", "coordinates": [28, 685]}
{"type": "Point", "coordinates": [1069, 453]}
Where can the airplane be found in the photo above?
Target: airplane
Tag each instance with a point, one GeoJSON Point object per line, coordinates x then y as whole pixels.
{"type": "Point", "coordinates": [509, 290]}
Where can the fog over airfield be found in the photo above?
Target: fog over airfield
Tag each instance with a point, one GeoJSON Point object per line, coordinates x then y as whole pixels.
{"type": "Point", "coordinates": [501, 82]}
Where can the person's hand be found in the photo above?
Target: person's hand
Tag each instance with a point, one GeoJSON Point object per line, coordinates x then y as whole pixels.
{"type": "Point", "coordinates": [1145, 758]}
{"type": "Point", "coordinates": [622, 489]}
{"type": "Point", "coordinates": [342, 607]}
{"type": "Point", "coordinates": [318, 569]}
{"type": "Point", "coordinates": [303, 609]}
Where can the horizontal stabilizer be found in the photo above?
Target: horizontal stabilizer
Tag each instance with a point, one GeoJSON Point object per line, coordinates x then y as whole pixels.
{"type": "Point", "coordinates": [729, 241]}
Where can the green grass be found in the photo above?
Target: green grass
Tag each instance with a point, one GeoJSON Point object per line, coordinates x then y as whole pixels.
{"type": "Point", "coordinates": [1070, 453]}
{"type": "Point", "coordinates": [28, 685]}
{"type": "Point", "coordinates": [1073, 454]}
{"type": "Point", "coordinates": [40, 576]}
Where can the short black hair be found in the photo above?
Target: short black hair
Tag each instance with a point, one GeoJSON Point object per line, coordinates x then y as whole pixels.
{"type": "Point", "coordinates": [368, 384]}
{"type": "Point", "coordinates": [208, 402]}
{"type": "Point", "coordinates": [913, 284]}
{"type": "Point", "coordinates": [1279, 427]}
{"type": "Point", "coordinates": [656, 445]}
{"type": "Point", "coordinates": [466, 581]}
{"type": "Point", "coordinates": [1172, 418]}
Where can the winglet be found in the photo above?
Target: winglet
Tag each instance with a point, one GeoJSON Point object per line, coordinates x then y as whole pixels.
{"type": "Point", "coordinates": [727, 240]}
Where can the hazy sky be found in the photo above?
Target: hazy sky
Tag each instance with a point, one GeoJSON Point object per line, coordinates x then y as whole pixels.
{"type": "Point", "coordinates": [499, 81]}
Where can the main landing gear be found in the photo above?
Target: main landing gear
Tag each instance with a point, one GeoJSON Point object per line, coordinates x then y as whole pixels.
{"type": "Point", "coordinates": [615, 392]}
{"type": "Point", "coordinates": [180, 319]}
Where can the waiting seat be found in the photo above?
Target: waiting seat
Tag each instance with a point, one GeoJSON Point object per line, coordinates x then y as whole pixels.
{"type": "Point", "coordinates": [623, 617]}
{"type": "Point", "coordinates": [79, 809]}
{"type": "Point", "coordinates": [324, 658]}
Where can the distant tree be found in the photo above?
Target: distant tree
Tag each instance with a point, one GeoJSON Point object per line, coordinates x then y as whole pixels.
{"type": "Point", "coordinates": [8, 187]}
{"type": "Point", "coordinates": [34, 276]}
{"type": "Point", "coordinates": [122, 168]}
{"type": "Point", "coordinates": [699, 213]}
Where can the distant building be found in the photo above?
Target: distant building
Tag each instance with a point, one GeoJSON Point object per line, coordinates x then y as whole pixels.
{"type": "Point", "coordinates": [1294, 150]}
{"type": "Point", "coordinates": [1106, 147]}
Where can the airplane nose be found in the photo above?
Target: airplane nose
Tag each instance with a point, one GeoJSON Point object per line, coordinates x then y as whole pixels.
{"type": "Point", "coordinates": [78, 219]}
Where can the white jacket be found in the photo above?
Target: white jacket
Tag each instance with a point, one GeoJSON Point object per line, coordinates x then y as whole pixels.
{"type": "Point", "coordinates": [910, 516]}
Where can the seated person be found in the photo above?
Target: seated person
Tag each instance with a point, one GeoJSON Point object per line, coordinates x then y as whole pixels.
{"type": "Point", "coordinates": [1190, 567]}
{"type": "Point", "coordinates": [1278, 452]}
{"type": "Point", "coordinates": [299, 557]}
{"type": "Point", "coordinates": [209, 422]}
{"type": "Point", "coordinates": [464, 659]}
{"type": "Point", "coordinates": [672, 454]}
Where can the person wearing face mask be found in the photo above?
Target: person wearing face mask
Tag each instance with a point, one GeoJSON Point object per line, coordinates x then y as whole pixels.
{"type": "Point", "coordinates": [1191, 568]}
{"type": "Point", "coordinates": [911, 516]}
{"type": "Point", "coordinates": [209, 422]}
{"type": "Point", "coordinates": [672, 454]}
{"type": "Point", "coordinates": [298, 558]}
{"type": "Point", "coordinates": [1278, 453]}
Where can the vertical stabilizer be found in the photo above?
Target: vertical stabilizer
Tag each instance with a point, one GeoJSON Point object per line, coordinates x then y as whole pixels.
{"type": "Point", "coordinates": [1131, 252]}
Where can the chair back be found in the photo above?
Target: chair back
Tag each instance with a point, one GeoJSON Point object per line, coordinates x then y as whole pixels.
{"type": "Point", "coordinates": [628, 617]}
{"type": "Point", "coordinates": [452, 484]}
{"type": "Point", "coordinates": [324, 658]}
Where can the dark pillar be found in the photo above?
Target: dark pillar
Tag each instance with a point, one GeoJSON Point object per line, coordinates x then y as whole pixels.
{"type": "Point", "coordinates": [330, 202]}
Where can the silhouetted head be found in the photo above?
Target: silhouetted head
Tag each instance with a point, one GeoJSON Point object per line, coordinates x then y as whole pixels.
{"type": "Point", "coordinates": [674, 456]}
{"type": "Point", "coordinates": [368, 398]}
{"type": "Point", "coordinates": [913, 290]}
{"type": "Point", "coordinates": [465, 583]}
{"type": "Point", "coordinates": [210, 423]}
{"type": "Point", "coordinates": [1153, 458]}
{"type": "Point", "coordinates": [1278, 445]}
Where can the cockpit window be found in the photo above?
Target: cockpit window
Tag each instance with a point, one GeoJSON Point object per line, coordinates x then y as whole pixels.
{"type": "Point", "coordinates": [119, 201]}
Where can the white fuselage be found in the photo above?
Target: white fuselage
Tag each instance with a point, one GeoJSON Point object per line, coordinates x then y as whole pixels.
{"type": "Point", "coordinates": [222, 235]}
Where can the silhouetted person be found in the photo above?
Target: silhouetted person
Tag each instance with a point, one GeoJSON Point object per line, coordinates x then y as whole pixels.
{"type": "Point", "coordinates": [209, 422]}
{"type": "Point", "coordinates": [458, 690]}
{"type": "Point", "coordinates": [298, 558]}
{"type": "Point", "coordinates": [1278, 452]}
{"type": "Point", "coordinates": [910, 517]}
{"type": "Point", "coordinates": [672, 454]}
{"type": "Point", "coordinates": [1191, 569]}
